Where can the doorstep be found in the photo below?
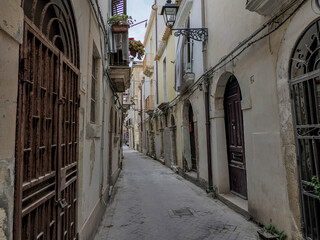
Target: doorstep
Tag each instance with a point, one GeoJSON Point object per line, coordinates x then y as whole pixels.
{"type": "Point", "coordinates": [161, 160]}
{"type": "Point", "coordinates": [236, 203]}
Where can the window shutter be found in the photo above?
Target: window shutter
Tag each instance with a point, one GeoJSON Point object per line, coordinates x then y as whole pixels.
{"type": "Point", "coordinates": [119, 7]}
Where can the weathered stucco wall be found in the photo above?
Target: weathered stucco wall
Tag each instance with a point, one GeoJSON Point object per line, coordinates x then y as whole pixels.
{"type": "Point", "coordinates": [11, 34]}
{"type": "Point", "coordinates": [269, 143]}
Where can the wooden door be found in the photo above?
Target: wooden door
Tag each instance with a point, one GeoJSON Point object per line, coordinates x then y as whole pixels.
{"type": "Point", "coordinates": [235, 138]}
{"type": "Point", "coordinates": [192, 140]}
{"type": "Point", "coordinates": [47, 126]}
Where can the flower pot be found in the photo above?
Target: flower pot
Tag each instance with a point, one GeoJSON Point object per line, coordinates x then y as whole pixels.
{"type": "Point", "coordinates": [133, 52]}
{"type": "Point", "coordinates": [120, 28]}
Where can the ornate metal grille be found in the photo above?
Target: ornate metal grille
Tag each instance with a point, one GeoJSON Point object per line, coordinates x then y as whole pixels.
{"type": "Point", "coordinates": [47, 124]}
{"type": "Point", "coordinates": [305, 89]}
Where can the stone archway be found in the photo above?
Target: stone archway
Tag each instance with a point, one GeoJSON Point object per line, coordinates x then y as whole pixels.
{"type": "Point", "coordinates": [301, 20]}
{"type": "Point", "coordinates": [189, 133]}
{"type": "Point", "coordinates": [304, 83]}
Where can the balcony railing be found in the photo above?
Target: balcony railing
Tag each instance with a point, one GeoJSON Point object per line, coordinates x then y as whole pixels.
{"type": "Point", "coordinates": [148, 64]}
{"type": "Point", "coordinates": [119, 61]}
{"type": "Point", "coordinates": [149, 104]}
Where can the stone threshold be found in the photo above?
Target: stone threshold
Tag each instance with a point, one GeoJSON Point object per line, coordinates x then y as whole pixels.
{"type": "Point", "coordinates": [236, 203]}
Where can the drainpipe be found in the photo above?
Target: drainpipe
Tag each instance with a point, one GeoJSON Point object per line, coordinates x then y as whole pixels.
{"type": "Point", "coordinates": [157, 67]}
{"type": "Point", "coordinates": [207, 100]}
{"type": "Point", "coordinates": [207, 110]}
{"type": "Point", "coordinates": [141, 118]}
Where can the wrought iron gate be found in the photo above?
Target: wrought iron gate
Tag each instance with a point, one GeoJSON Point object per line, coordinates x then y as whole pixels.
{"type": "Point", "coordinates": [305, 91]}
{"type": "Point", "coordinates": [47, 124]}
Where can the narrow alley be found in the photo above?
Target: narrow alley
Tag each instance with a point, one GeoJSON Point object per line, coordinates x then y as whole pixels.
{"type": "Point", "coordinates": [159, 119]}
{"type": "Point", "coordinates": [152, 202]}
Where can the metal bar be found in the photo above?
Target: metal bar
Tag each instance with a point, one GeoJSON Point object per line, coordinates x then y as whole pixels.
{"type": "Point", "coordinates": [305, 77]}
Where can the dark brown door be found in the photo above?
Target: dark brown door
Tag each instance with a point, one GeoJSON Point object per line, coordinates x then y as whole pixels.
{"type": "Point", "coordinates": [192, 140]}
{"type": "Point", "coordinates": [235, 139]}
{"type": "Point", "coordinates": [47, 127]}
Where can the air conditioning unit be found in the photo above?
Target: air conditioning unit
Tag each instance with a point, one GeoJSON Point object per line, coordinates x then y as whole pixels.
{"type": "Point", "coordinates": [264, 7]}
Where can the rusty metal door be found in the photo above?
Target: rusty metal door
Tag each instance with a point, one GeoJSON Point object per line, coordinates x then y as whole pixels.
{"type": "Point", "coordinates": [47, 128]}
{"type": "Point", "coordinates": [235, 138]}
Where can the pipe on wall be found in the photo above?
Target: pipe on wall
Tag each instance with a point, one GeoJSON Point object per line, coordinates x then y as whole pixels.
{"type": "Point", "coordinates": [207, 100]}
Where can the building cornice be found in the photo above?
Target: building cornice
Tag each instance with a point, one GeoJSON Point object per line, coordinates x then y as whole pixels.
{"type": "Point", "coordinates": [150, 24]}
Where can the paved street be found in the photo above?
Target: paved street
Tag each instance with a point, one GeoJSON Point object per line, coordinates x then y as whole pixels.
{"type": "Point", "coordinates": [154, 203]}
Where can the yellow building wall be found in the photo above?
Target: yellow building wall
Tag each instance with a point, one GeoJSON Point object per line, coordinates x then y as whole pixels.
{"type": "Point", "coordinates": [171, 56]}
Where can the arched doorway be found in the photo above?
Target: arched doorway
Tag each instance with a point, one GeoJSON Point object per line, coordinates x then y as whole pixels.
{"type": "Point", "coordinates": [47, 139]}
{"type": "Point", "coordinates": [305, 89]}
{"type": "Point", "coordinates": [192, 139]}
{"type": "Point", "coordinates": [173, 141]}
{"type": "Point", "coordinates": [235, 138]}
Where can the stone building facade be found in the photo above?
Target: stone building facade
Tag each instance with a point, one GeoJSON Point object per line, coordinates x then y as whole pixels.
{"type": "Point", "coordinates": [133, 114]}
{"type": "Point", "coordinates": [60, 116]}
{"type": "Point", "coordinates": [244, 118]}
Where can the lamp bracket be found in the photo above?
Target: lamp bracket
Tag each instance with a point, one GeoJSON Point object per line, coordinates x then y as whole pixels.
{"type": "Point", "coordinates": [197, 34]}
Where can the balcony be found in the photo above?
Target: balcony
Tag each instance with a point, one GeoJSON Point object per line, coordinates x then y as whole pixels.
{"type": "Point", "coordinates": [149, 104]}
{"type": "Point", "coordinates": [148, 64]}
{"type": "Point", "coordinates": [264, 7]}
{"type": "Point", "coordinates": [126, 102]}
{"type": "Point", "coordinates": [119, 61]}
{"type": "Point", "coordinates": [129, 123]}
{"type": "Point", "coordinates": [188, 80]}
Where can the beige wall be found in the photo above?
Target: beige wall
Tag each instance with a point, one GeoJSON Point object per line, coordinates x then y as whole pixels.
{"type": "Point", "coordinates": [273, 195]}
{"type": "Point", "coordinates": [11, 33]}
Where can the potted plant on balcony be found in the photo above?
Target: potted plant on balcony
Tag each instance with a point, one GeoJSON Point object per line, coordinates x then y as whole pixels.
{"type": "Point", "coordinates": [136, 47]}
{"type": "Point", "coordinates": [120, 23]}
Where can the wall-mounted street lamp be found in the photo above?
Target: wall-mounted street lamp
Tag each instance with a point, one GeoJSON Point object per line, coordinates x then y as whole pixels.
{"type": "Point", "coordinates": [169, 12]}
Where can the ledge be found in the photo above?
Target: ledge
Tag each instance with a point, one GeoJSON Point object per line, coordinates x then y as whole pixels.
{"type": "Point", "coordinates": [264, 7]}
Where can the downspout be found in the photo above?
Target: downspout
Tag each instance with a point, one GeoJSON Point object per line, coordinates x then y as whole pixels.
{"type": "Point", "coordinates": [141, 119]}
{"type": "Point", "coordinates": [207, 100]}
{"type": "Point", "coordinates": [157, 67]}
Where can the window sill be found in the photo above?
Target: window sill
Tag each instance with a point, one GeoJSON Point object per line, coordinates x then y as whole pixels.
{"type": "Point", "coordinates": [264, 7]}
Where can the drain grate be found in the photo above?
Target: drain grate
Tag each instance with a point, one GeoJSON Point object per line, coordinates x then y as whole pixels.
{"type": "Point", "coordinates": [182, 212]}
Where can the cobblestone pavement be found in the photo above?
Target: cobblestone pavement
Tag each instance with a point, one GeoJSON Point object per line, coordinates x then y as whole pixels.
{"type": "Point", "coordinates": [154, 203]}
